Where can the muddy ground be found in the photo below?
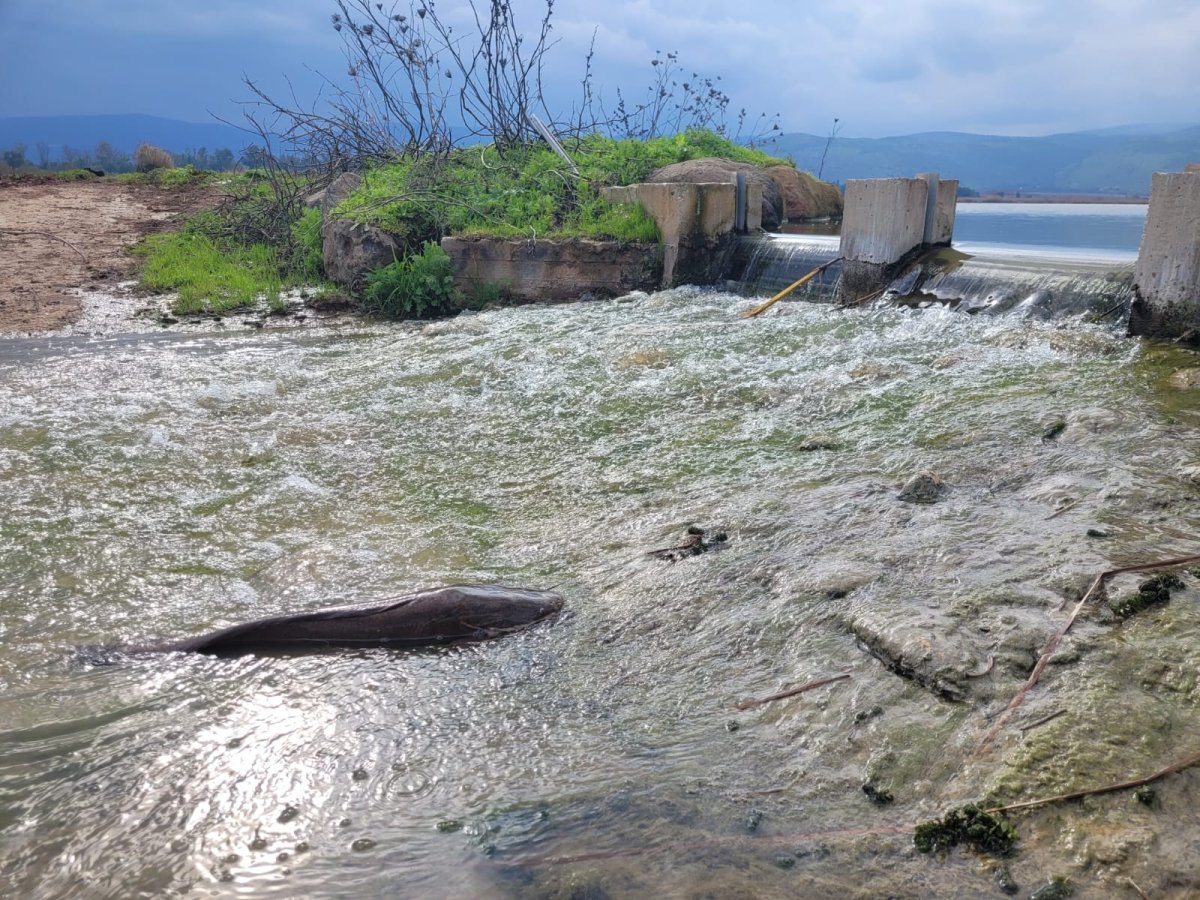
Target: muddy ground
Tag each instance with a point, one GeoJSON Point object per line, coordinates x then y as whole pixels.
{"type": "Point", "coordinates": [60, 237]}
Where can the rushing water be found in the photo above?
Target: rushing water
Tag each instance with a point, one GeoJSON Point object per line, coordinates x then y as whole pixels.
{"type": "Point", "coordinates": [163, 487]}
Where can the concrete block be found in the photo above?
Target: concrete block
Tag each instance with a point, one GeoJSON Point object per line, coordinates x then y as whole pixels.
{"type": "Point", "coordinates": [944, 212]}
{"type": "Point", "coordinates": [1167, 276]}
{"type": "Point", "coordinates": [538, 271]}
{"type": "Point", "coordinates": [754, 208]}
{"type": "Point", "coordinates": [692, 219]}
{"type": "Point", "coordinates": [884, 218]}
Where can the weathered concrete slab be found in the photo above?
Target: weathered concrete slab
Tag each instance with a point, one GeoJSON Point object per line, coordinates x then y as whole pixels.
{"type": "Point", "coordinates": [532, 271]}
{"type": "Point", "coordinates": [694, 221]}
{"type": "Point", "coordinates": [945, 209]}
{"type": "Point", "coordinates": [1167, 278]}
{"type": "Point", "coordinates": [884, 219]}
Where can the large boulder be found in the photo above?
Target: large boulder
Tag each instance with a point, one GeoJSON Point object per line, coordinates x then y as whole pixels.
{"type": "Point", "coordinates": [804, 196]}
{"type": "Point", "coordinates": [351, 249]}
{"type": "Point", "coordinates": [712, 169]}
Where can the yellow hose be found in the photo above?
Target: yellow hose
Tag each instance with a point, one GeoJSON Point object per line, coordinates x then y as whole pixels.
{"type": "Point", "coordinates": [767, 304]}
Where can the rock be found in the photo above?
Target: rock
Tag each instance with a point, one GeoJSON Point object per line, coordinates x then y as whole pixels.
{"type": "Point", "coordinates": [350, 249]}
{"type": "Point", "coordinates": [711, 169]}
{"type": "Point", "coordinates": [804, 197]}
{"type": "Point", "coordinates": [1057, 889]}
{"type": "Point", "coordinates": [924, 487]}
{"type": "Point", "coordinates": [1185, 379]}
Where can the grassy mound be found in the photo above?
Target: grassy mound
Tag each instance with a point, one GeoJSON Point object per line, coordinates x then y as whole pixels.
{"type": "Point", "coordinates": [527, 191]}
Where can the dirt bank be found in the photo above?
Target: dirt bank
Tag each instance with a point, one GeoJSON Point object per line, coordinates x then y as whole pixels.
{"type": "Point", "coordinates": [57, 237]}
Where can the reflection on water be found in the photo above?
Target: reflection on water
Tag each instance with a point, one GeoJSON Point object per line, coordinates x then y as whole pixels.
{"type": "Point", "coordinates": [1106, 227]}
{"type": "Point", "coordinates": [159, 488]}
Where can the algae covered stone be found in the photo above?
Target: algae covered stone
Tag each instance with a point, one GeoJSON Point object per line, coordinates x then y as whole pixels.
{"type": "Point", "coordinates": [970, 826]}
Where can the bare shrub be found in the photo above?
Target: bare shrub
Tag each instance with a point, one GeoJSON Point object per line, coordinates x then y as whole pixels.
{"type": "Point", "coordinates": [147, 158]}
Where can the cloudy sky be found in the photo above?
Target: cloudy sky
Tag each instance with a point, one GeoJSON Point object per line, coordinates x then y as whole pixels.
{"type": "Point", "coordinates": [882, 66]}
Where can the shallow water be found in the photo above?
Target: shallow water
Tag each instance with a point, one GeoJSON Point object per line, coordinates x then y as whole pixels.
{"type": "Point", "coordinates": [161, 487]}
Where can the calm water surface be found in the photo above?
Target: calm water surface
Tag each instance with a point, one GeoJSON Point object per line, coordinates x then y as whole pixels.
{"type": "Point", "coordinates": [1111, 227]}
{"type": "Point", "coordinates": [164, 487]}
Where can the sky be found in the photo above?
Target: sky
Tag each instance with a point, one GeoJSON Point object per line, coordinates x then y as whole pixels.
{"type": "Point", "coordinates": [882, 67]}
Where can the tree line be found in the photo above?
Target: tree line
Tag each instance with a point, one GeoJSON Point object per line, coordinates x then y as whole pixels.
{"type": "Point", "coordinates": [108, 158]}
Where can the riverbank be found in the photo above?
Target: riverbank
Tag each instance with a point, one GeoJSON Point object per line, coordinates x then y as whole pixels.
{"type": "Point", "coordinates": [63, 238]}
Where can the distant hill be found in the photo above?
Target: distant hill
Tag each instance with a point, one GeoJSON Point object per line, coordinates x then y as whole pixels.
{"type": "Point", "coordinates": [1117, 161]}
{"type": "Point", "coordinates": [124, 133]}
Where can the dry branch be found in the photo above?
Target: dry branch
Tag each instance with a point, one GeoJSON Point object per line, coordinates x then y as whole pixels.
{"type": "Point", "coordinates": [751, 702]}
{"type": "Point", "coordinates": [1043, 720]}
{"type": "Point", "coordinates": [54, 237]}
{"type": "Point", "coordinates": [1054, 641]}
{"type": "Point", "coordinates": [1107, 789]}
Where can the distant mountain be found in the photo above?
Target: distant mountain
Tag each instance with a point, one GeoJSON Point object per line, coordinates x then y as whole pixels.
{"type": "Point", "coordinates": [1080, 163]}
{"type": "Point", "coordinates": [124, 133]}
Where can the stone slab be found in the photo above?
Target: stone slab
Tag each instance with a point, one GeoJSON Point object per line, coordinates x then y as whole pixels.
{"type": "Point", "coordinates": [556, 271]}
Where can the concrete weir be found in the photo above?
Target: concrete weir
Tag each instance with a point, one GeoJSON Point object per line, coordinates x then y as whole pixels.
{"type": "Point", "coordinates": [1167, 279]}
{"type": "Point", "coordinates": [696, 222]}
{"type": "Point", "coordinates": [887, 223]}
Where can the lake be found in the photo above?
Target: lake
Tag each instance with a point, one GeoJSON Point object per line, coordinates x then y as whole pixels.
{"type": "Point", "coordinates": [1113, 227]}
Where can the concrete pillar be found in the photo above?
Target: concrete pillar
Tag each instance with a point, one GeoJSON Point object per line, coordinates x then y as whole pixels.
{"type": "Point", "coordinates": [931, 200]}
{"type": "Point", "coordinates": [696, 223]}
{"type": "Point", "coordinates": [886, 221]}
{"type": "Point", "coordinates": [1167, 278]}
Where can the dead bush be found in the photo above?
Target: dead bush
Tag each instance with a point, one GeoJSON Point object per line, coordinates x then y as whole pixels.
{"type": "Point", "coordinates": [147, 158]}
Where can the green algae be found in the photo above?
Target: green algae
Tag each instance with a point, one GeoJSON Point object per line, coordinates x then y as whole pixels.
{"type": "Point", "coordinates": [1152, 592]}
{"type": "Point", "coordinates": [969, 826]}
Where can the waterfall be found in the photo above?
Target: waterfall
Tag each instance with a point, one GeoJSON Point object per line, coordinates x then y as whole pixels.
{"type": "Point", "coordinates": [1045, 283]}
{"type": "Point", "coordinates": [770, 262]}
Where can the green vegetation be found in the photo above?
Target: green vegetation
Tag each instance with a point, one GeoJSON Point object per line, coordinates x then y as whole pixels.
{"type": "Point", "coordinates": [264, 239]}
{"type": "Point", "coordinates": [420, 286]}
{"type": "Point", "coordinates": [527, 191]}
{"type": "Point", "coordinates": [306, 239]}
{"type": "Point", "coordinates": [1151, 592]}
{"type": "Point", "coordinates": [970, 826]}
{"type": "Point", "coordinates": [259, 242]}
{"type": "Point", "coordinates": [210, 277]}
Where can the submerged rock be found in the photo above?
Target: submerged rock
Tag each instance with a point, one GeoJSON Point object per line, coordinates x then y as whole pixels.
{"type": "Point", "coordinates": [1057, 889]}
{"type": "Point", "coordinates": [924, 487]}
{"type": "Point", "coordinates": [1185, 379]}
{"type": "Point", "coordinates": [1151, 592]}
{"type": "Point", "coordinates": [698, 541]}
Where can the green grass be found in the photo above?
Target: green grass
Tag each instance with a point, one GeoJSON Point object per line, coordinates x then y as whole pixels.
{"type": "Point", "coordinates": [210, 278]}
{"type": "Point", "coordinates": [420, 286]}
{"type": "Point", "coordinates": [527, 191]}
{"type": "Point", "coordinates": [184, 175]}
{"type": "Point", "coordinates": [215, 263]}
{"type": "Point", "coordinates": [306, 235]}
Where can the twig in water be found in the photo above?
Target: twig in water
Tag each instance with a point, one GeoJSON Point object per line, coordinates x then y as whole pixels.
{"type": "Point", "coordinates": [987, 667]}
{"type": "Point", "coordinates": [1108, 789]}
{"type": "Point", "coordinates": [1062, 509]}
{"type": "Point", "coordinates": [1043, 720]}
{"type": "Point", "coordinates": [681, 846]}
{"type": "Point", "coordinates": [1133, 884]}
{"type": "Point", "coordinates": [751, 702]}
{"type": "Point", "coordinates": [1054, 641]}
